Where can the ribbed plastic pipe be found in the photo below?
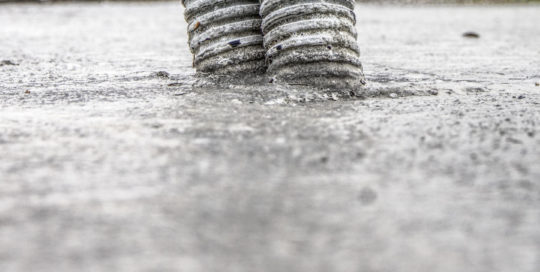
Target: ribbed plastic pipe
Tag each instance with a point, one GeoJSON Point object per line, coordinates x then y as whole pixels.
{"type": "Point", "coordinates": [312, 42]}
{"type": "Point", "coordinates": [225, 36]}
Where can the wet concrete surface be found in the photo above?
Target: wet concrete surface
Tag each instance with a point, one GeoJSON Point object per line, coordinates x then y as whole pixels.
{"type": "Point", "coordinates": [106, 164]}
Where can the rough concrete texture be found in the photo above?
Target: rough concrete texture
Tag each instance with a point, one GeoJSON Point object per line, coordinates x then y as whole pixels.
{"type": "Point", "coordinates": [108, 164]}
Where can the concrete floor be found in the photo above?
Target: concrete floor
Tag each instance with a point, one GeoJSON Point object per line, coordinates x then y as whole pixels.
{"type": "Point", "coordinates": [106, 166]}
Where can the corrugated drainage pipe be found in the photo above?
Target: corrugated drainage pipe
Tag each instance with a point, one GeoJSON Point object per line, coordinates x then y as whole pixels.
{"type": "Point", "coordinates": [225, 36]}
{"type": "Point", "coordinates": [312, 42]}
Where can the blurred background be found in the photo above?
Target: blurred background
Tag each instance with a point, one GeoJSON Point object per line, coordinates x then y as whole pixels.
{"type": "Point", "coordinates": [401, 2]}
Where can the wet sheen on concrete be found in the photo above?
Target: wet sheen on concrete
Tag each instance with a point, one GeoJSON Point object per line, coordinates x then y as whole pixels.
{"type": "Point", "coordinates": [111, 161]}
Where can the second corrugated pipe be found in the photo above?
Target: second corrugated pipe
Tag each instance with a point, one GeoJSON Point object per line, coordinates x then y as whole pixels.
{"type": "Point", "coordinates": [312, 42]}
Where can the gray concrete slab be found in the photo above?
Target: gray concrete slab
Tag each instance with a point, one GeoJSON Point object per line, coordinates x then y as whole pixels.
{"type": "Point", "coordinates": [107, 166]}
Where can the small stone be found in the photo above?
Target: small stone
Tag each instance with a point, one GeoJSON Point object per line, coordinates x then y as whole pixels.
{"type": "Point", "coordinates": [162, 74]}
{"type": "Point", "coordinates": [367, 196]}
{"type": "Point", "coordinates": [7, 62]}
{"type": "Point", "coordinates": [471, 35]}
{"type": "Point", "coordinates": [393, 95]}
{"type": "Point", "coordinates": [514, 141]}
{"type": "Point", "coordinates": [433, 92]}
{"type": "Point", "coordinates": [521, 97]}
{"type": "Point", "coordinates": [475, 90]}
